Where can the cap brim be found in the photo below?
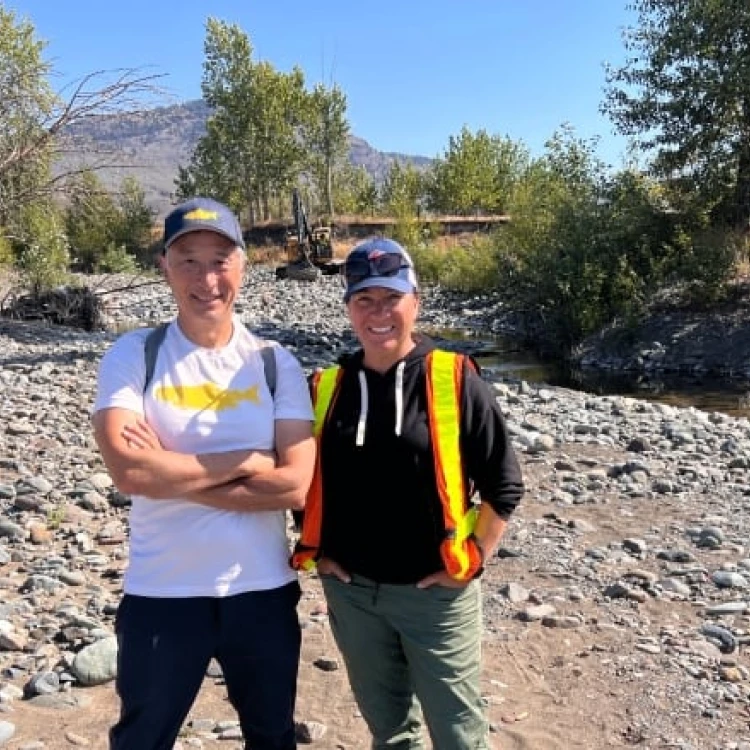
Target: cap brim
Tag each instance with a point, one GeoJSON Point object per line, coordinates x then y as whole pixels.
{"type": "Point", "coordinates": [384, 282]}
{"type": "Point", "coordinates": [202, 228]}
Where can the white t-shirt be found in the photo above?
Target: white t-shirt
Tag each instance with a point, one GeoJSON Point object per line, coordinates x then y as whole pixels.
{"type": "Point", "coordinates": [204, 401]}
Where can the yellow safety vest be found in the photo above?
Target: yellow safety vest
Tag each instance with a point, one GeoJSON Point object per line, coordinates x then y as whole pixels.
{"type": "Point", "coordinates": [460, 553]}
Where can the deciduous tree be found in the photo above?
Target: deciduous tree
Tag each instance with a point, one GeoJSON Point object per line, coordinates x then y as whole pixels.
{"type": "Point", "coordinates": [38, 155]}
{"type": "Point", "coordinates": [683, 94]}
{"type": "Point", "coordinates": [36, 120]}
{"type": "Point", "coordinates": [475, 174]}
{"type": "Point", "coordinates": [326, 137]}
{"type": "Point", "coordinates": [252, 151]}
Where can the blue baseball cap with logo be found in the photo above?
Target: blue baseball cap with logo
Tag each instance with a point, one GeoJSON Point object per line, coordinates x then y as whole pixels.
{"type": "Point", "coordinates": [379, 262]}
{"type": "Point", "coordinates": [202, 214]}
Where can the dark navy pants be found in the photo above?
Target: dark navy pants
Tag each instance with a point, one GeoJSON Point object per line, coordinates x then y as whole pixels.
{"type": "Point", "coordinates": [165, 646]}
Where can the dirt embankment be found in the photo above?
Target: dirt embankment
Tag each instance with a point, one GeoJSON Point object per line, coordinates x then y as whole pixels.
{"type": "Point", "coordinates": [676, 337]}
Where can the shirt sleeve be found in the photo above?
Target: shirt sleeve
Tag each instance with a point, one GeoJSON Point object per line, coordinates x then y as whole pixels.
{"type": "Point", "coordinates": [122, 374]}
{"type": "Point", "coordinates": [292, 399]}
{"type": "Point", "coordinates": [489, 459]}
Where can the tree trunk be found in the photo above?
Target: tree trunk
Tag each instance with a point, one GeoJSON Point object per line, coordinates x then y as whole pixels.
{"type": "Point", "coordinates": [250, 209]}
{"type": "Point", "coordinates": [329, 190]}
{"type": "Point", "coordinates": [266, 208]}
{"type": "Point", "coordinates": [742, 189]}
{"type": "Point", "coordinates": [742, 186]}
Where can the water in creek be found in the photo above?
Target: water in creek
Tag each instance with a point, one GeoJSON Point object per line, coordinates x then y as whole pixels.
{"type": "Point", "coordinates": [505, 356]}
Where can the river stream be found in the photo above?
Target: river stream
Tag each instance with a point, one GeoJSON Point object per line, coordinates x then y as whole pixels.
{"type": "Point", "coordinates": [505, 356]}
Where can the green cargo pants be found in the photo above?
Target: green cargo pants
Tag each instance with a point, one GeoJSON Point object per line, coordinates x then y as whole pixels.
{"type": "Point", "coordinates": [407, 648]}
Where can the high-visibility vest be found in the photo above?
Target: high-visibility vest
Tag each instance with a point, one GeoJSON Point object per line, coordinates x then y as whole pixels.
{"type": "Point", "coordinates": [324, 388]}
{"type": "Point", "coordinates": [459, 551]}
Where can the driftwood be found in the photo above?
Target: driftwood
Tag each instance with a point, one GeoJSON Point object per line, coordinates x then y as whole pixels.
{"type": "Point", "coordinates": [77, 307]}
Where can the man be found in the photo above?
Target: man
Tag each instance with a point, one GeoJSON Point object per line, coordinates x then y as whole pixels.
{"type": "Point", "coordinates": [213, 459]}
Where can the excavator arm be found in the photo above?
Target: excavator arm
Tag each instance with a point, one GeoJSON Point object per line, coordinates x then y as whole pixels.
{"type": "Point", "coordinates": [309, 252]}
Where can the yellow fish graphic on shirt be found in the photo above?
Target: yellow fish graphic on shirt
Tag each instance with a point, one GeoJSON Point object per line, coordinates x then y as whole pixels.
{"type": "Point", "coordinates": [206, 397]}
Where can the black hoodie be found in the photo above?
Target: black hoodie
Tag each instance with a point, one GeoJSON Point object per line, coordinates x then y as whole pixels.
{"type": "Point", "coordinates": [382, 516]}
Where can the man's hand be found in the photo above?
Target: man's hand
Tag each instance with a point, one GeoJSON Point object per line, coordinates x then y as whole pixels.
{"type": "Point", "coordinates": [271, 481]}
{"type": "Point", "coordinates": [140, 465]}
{"type": "Point", "coordinates": [139, 434]}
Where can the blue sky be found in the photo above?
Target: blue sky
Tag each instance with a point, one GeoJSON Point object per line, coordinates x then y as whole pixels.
{"type": "Point", "coordinates": [414, 71]}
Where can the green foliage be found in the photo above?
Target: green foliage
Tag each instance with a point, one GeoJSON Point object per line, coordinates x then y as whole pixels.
{"type": "Point", "coordinates": [116, 259]}
{"type": "Point", "coordinates": [266, 134]}
{"type": "Point", "coordinates": [108, 233]}
{"type": "Point", "coordinates": [91, 221]}
{"type": "Point", "coordinates": [585, 247]}
{"type": "Point", "coordinates": [710, 259]}
{"type": "Point", "coordinates": [476, 174]}
{"type": "Point", "coordinates": [326, 138]}
{"type": "Point", "coordinates": [252, 151]}
{"type": "Point", "coordinates": [554, 255]}
{"type": "Point", "coordinates": [133, 230]}
{"type": "Point", "coordinates": [6, 249]}
{"type": "Point", "coordinates": [36, 123]}
{"type": "Point", "coordinates": [402, 190]}
{"type": "Point", "coordinates": [26, 105]}
{"type": "Point", "coordinates": [55, 517]}
{"type": "Point", "coordinates": [401, 196]}
{"type": "Point", "coordinates": [408, 231]}
{"type": "Point", "coordinates": [41, 248]}
{"type": "Point", "coordinates": [355, 191]}
{"type": "Point", "coordinates": [683, 94]}
{"type": "Point", "coordinates": [470, 267]}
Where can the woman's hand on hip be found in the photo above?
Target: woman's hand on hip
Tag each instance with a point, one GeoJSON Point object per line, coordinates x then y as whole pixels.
{"type": "Point", "coordinates": [441, 578]}
{"type": "Point", "coordinates": [328, 567]}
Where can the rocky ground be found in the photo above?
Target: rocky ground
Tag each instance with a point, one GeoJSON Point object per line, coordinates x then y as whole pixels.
{"type": "Point", "coordinates": [617, 612]}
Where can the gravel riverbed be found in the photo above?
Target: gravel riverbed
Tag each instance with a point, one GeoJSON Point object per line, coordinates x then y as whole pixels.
{"type": "Point", "coordinates": [617, 612]}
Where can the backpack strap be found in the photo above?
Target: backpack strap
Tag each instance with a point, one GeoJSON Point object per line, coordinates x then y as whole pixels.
{"type": "Point", "coordinates": [269, 366]}
{"type": "Point", "coordinates": [151, 350]}
{"type": "Point", "coordinates": [155, 339]}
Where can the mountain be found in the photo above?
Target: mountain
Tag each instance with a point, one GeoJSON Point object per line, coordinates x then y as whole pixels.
{"type": "Point", "coordinates": [152, 144]}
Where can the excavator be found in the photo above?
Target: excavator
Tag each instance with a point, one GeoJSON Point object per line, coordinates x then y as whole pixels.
{"type": "Point", "coordinates": [309, 252]}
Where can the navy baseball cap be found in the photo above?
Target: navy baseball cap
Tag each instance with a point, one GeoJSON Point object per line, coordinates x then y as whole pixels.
{"type": "Point", "coordinates": [203, 214]}
{"type": "Point", "coordinates": [379, 262]}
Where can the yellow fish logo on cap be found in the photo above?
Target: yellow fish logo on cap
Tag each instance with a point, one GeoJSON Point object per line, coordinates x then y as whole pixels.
{"type": "Point", "coordinates": [201, 214]}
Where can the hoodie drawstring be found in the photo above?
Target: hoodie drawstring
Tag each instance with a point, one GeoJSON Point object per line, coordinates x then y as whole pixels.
{"type": "Point", "coordinates": [362, 409]}
{"type": "Point", "coordinates": [400, 396]}
{"type": "Point", "coordinates": [364, 403]}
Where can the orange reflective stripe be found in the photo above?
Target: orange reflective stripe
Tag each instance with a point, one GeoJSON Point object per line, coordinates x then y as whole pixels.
{"type": "Point", "coordinates": [324, 384]}
{"type": "Point", "coordinates": [460, 553]}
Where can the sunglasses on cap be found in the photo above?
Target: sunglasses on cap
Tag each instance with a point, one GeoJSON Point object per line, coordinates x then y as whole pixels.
{"type": "Point", "coordinates": [359, 269]}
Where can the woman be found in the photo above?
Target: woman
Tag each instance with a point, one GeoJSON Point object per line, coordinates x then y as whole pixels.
{"type": "Point", "coordinates": [406, 434]}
